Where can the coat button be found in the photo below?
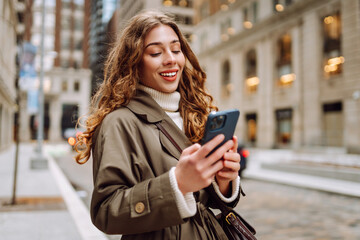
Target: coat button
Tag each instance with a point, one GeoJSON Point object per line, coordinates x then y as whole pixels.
{"type": "Point", "coordinates": [139, 207]}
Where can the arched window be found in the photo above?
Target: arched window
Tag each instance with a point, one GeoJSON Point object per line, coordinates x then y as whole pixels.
{"type": "Point", "coordinates": [284, 61]}
{"type": "Point", "coordinates": [333, 59]}
{"type": "Point", "coordinates": [252, 80]}
{"type": "Point", "coordinates": [225, 79]}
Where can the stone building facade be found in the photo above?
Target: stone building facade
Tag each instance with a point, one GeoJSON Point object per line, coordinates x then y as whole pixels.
{"type": "Point", "coordinates": [291, 67]}
{"type": "Point", "coordinates": [9, 29]}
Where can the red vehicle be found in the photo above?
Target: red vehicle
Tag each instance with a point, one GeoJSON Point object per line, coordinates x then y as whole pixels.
{"type": "Point", "coordinates": [243, 155]}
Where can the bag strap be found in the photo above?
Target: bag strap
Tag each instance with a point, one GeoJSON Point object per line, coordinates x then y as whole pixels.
{"type": "Point", "coordinates": [163, 130]}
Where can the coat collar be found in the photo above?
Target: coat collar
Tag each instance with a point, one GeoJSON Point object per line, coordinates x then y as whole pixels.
{"type": "Point", "coordinates": [148, 110]}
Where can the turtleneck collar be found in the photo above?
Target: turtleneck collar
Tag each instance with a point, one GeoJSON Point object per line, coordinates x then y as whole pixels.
{"type": "Point", "coordinates": [169, 102]}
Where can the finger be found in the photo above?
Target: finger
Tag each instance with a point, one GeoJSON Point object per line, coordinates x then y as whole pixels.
{"type": "Point", "coordinates": [209, 146]}
{"type": "Point", "coordinates": [227, 175]}
{"type": "Point", "coordinates": [232, 156]}
{"type": "Point", "coordinates": [190, 150]}
{"type": "Point", "coordinates": [235, 139]}
{"type": "Point", "coordinates": [213, 169]}
{"type": "Point", "coordinates": [231, 166]}
{"type": "Point", "coordinates": [219, 153]}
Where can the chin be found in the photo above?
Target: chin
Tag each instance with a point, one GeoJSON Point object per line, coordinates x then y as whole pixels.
{"type": "Point", "coordinates": [168, 90]}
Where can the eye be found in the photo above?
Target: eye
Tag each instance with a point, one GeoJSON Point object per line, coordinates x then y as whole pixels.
{"type": "Point", "coordinates": [154, 54]}
{"type": "Point", "coordinates": [176, 51]}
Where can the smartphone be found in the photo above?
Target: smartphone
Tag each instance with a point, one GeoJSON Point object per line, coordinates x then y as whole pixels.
{"type": "Point", "coordinates": [221, 122]}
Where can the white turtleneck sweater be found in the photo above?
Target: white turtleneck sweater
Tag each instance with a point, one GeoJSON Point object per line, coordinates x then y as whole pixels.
{"type": "Point", "coordinates": [186, 204]}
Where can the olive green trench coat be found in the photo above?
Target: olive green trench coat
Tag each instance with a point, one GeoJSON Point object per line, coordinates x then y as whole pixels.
{"type": "Point", "coordinates": [132, 193]}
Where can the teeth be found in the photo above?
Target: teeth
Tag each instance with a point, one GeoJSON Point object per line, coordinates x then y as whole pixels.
{"type": "Point", "coordinates": [168, 74]}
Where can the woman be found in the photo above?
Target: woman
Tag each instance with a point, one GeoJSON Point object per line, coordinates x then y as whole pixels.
{"type": "Point", "coordinates": [143, 187]}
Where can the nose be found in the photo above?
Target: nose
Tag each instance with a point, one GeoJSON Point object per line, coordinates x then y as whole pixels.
{"type": "Point", "coordinates": [169, 58]}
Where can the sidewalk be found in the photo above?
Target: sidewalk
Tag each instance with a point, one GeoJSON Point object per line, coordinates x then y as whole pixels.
{"type": "Point", "coordinates": [327, 171]}
{"type": "Point", "coordinates": [47, 206]}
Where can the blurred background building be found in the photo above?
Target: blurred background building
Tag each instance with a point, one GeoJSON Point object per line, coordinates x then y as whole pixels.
{"type": "Point", "coordinates": [290, 66]}
{"type": "Point", "coordinates": [181, 10]}
{"type": "Point", "coordinates": [67, 78]}
{"type": "Point", "coordinates": [11, 29]}
{"type": "Point", "coordinates": [101, 12]}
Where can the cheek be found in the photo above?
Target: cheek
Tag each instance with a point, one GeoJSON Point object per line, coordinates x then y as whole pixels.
{"type": "Point", "coordinates": [149, 66]}
{"type": "Point", "coordinates": [181, 61]}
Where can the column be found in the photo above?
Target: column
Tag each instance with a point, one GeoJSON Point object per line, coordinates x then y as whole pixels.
{"type": "Point", "coordinates": [266, 120]}
{"type": "Point", "coordinates": [297, 127]}
{"type": "Point", "coordinates": [311, 79]}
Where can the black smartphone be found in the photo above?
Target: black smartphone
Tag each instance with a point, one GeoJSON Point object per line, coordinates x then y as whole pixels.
{"type": "Point", "coordinates": [221, 122]}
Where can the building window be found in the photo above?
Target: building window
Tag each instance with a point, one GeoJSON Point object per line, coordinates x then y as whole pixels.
{"type": "Point", "coordinates": [251, 127]}
{"type": "Point", "coordinates": [280, 5]}
{"type": "Point", "coordinates": [180, 3]}
{"type": "Point", "coordinates": [76, 86]}
{"type": "Point", "coordinates": [79, 44]}
{"type": "Point", "coordinates": [226, 29]}
{"type": "Point", "coordinates": [284, 64]}
{"type": "Point", "coordinates": [65, 63]}
{"type": "Point", "coordinates": [224, 5]}
{"type": "Point", "coordinates": [333, 59]}
{"type": "Point", "coordinates": [64, 86]}
{"type": "Point", "coordinates": [79, 24]}
{"type": "Point", "coordinates": [204, 10]}
{"type": "Point", "coordinates": [65, 42]}
{"type": "Point", "coordinates": [187, 20]}
{"type": "Point", "coordinates": [65, 23]}
{"type": "Point", "coordinates": [70, 113]}
{"type": "Point", "coordinates": [226, 85]}
{"type": "Point", "coordinates": [284, 126]}
{"type": "Point", "coordinates": [333, 124]}
{"type": "Point", "coordinates": [250, 15]}
{"type": "Point", "coordinates": [79, 4]}
{"type": "Point", "coordinates": [252, 80]}
{"type": "Point", "coordinates": [66, 4]}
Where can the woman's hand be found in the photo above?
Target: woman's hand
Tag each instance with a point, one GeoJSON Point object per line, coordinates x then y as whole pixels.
{"type": "Point", "coordinates": [231, 169]}
{"type": "Point", "coordinates": [195, 170]}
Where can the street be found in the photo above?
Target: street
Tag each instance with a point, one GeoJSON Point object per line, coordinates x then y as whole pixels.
{"type": "Point", "coordinates": [286, 212]}
{"type": "Point", "coordinates": [276, 211]}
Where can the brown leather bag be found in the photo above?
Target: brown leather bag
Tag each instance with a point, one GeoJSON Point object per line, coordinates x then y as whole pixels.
{"type": "Point", "coordinates": [234, 226]}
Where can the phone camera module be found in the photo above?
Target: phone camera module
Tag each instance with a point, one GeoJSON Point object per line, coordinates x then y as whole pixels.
{"type": "Point", "coordinates": [220, 121]}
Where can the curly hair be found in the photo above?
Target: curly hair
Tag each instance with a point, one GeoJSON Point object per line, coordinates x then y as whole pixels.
{"type": "Point", "coordinates": [122, 73]}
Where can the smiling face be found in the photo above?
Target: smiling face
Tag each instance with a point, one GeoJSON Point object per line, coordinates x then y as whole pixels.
{"type": "Point", "coordinates": [163, 60]}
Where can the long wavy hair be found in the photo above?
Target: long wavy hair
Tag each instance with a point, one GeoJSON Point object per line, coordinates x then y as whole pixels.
{"type": "Point", "coordinates": [122, 72]}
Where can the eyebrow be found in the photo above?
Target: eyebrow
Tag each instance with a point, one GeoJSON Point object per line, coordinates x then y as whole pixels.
{"type": "Point", "coordinates": [160, 43]}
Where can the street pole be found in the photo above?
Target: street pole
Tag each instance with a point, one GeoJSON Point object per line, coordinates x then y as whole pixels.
{"type": "Point", "coordinates": [17, 126]}
{"type": "Point", "coordinates": [40, 161]}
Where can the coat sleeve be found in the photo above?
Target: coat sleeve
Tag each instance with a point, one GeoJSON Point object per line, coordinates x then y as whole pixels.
{"type": "Point", "coordinates": [123, 202]}
{"type": "Point", "coordinates": [205, 198]}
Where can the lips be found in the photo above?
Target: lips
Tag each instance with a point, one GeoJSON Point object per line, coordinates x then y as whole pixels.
{"type": "Point", "coordinates": [169, 75]}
